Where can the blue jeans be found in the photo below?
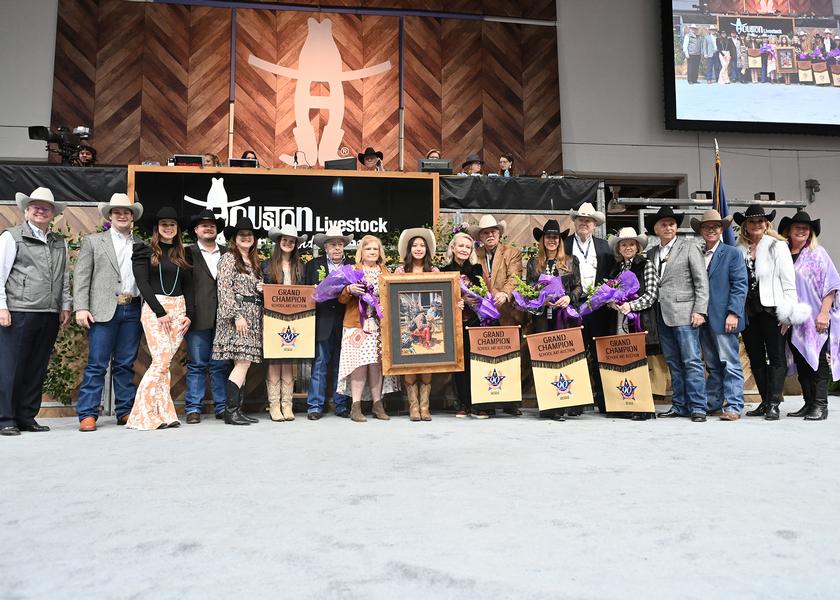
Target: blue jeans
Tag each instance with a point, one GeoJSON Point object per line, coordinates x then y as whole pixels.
{"type": "Point", "coordinates": [713, 67]}
{"type": "Point", "coordinates": [681, 348]}
{"type": "Point", "coordinates": [725, 384]}
{"type": "Point", "coordinates": [115, 341]}
{"type": "Point", "coordinates": [326, 360]}
{"type": "Point", "coordinates": [199, 350]}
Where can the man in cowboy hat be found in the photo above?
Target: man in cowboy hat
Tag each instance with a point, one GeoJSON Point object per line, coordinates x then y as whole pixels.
{"type": "Point", "coordinates": [107, 304]}
{"type": "Point", "coordinates": [371, 160]}
{"type": "Point", "coordinates": [596, 262]}
{"type": "Point", "coordinates": [204, 255]}
{"type": "Point", "coordinates": [710, 52]}
{"type": "Point", "coordinates": [329, 317]}
{"type": "Point", "coordinates": [472, 165]}
{"type": "Point", "coordinates": [34, 301]}
{"type": "Point", "coordinates": [719, 335]}
{"type": "Point", "coordinates": [681, 309]}
{"type": "Point", "coordinates": [692, 47]}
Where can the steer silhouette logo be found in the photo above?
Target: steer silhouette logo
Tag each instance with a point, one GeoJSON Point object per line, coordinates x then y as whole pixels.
{"type": "Point", "coordinates": [217, 199]}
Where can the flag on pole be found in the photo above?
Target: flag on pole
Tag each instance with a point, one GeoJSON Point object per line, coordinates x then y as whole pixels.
{"type": "Point", "coordinates": [719, 199]}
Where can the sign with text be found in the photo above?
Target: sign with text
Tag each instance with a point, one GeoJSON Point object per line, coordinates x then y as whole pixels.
{"type": "Point", "coordinates": [288, 321]}
{"type": "Point", "coordinates": [495, 374]}
{"type": "Point", "coordinates": [623, 365]}
{"type": "Point", "coordinates": [561, 374]}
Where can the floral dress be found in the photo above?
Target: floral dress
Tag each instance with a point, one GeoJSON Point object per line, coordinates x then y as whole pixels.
{"type": "Point", "coordinates": [238, 297]}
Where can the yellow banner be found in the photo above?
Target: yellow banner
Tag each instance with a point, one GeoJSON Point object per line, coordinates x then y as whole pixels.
{"type": "Point", "coordinates": [561, 374]}
{"type": "Point", "coordinates": [622, 363]}
{"type": "Point", "coordinates": [495, 372]}
{"type": "Point", "coordinates": [288, 321]}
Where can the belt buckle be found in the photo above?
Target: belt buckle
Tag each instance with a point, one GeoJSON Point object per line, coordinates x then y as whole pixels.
{"type": "Point", "coordinates": [124, 299]}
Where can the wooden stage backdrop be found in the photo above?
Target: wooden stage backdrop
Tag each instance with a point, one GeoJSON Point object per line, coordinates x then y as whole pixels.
{"type": "Point", "coordinates": [154, 79]}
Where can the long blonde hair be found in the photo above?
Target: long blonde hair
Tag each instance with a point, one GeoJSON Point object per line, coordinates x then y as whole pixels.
{"type": "Point", "coordinates": [473, 259]}
{"type": "Point", "coordinates": [361, 247]}
{"type": "Point", "coordinates": [744, 240]}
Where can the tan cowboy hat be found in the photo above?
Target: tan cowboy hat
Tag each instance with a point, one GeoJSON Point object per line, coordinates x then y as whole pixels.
{"type": "Point", "coordinates": [587, 210]}
{"type": "Point", "coordinates": [409, 234]}
{"type": "Point", "coordinates": [288, 231]}
{"type": "Point", "coordinates": [120, 201]}
{"type": "Point", "coordinates": [42, 194]}
{"type": "Point", "coordinates": [486, 222]}
{"type": "Point", "coordinates": [710, 215]}
{"type": "Point", "coordinates": [628, 233]}
{"type": "Point", "coordinates": [333, 233]}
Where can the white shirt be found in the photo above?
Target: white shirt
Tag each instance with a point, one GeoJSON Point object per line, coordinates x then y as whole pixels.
{"type": "Point", "coordinates": [664, 252]}
{"type": "Point", "coordinates": [8, 253]}
{"type": "Point", "coordinates": [588, 259]}
{"type": "Point", "coordinates": [123, 248]}
{"type": "Point", "coordinates": [710, 253]}
{"type": "Point", "coordinates": [212, 258]}
{"type": "Point", "coordinates": [331, 266]}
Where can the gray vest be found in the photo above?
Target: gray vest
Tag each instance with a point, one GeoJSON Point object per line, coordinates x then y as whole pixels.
{"type": "Point", "coordinates": [36, 281]}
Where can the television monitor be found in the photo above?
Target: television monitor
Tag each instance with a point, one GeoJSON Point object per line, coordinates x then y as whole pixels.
{"type": "Point", "coordinates": [188, 160]}
{"type": "Point", "coordinates": [780, 76]}
{"type": "Point", "coordinates": [341, 164]}
{"type": "Point", "coordinates": [435, 165]}
{"type": "Point", "coordinates": [243, 162]}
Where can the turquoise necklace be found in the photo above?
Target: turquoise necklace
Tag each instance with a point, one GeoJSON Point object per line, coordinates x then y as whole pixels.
{"type": "Point", "coordinates": [174, 285]}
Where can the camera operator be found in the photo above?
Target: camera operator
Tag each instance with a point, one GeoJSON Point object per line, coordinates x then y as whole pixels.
{"type": "Point", "coordinates": [87, 155]}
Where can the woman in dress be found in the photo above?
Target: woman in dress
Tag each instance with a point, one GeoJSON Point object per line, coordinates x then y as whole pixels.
{"type": "Point", "coordinates": [163, 277]}
{"type": "Point", "coordinates": [629, 253]}
{"type": "Point", "coordinates": [239, 314]}
{"type": "Point", "coordinates": [551, 259]}
{"type": "Point", "coordinates": [361, 347]}
{"type": "Point", "coordinates": [285, 268]}
{"type": "Point", "coordinates": [724, 56]}
{"type": "Point", "coordinates": [812, 343]}
{"type": "Point", "coordinates": [463, 260]}
{"type": "Point", "coordinates": [771, 306]}
{"type": "Point", "coordinates": [416, 247]}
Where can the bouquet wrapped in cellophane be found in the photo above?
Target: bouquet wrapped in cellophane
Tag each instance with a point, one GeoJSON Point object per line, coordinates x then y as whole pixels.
{"type": "Point", "coordinates": [333, 284]}
{"type": "Point", "coordinates": [548, 290]}
{"type": "Point", "coordinates": [623, 288]}
{"type": "Point", "coordinates": [486, 309]}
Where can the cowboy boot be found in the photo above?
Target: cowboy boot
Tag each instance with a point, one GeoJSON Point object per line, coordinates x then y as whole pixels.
{"type": "Point", "coordinates": [232, 416]}
{"type": "Point", "coordinates": [241, 404]}
{"type": "Point", "coordinates": [379, 411]}
{"type": "Point", "coordinates": [425, 391]}
{"type": "Point", "coordinates": [413, 403]}
{"type": "Point", "coordinates": [807, 397]}
{"type": "Point", "coordinates": [274, 410]}
{"type": "Point", "coordinates": [818, 410]}
{"type": "Point", "coordinates": [776, 382]}
{"type": "Point", "coordinates": [288, 389]}
{"type": "Point", "coordinates": [356, 413]}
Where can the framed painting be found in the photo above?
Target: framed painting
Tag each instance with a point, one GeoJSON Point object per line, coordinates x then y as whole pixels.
{"type": "Point", "coordinates": [421, 324]}
{"type": "Point", "coordinates": [786, 60]}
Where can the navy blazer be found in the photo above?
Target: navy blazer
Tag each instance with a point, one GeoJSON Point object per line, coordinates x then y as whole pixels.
{"type": "Point", "coordinates": [727, 287]}
{"type": "Point", "coordinates": [329, 315]}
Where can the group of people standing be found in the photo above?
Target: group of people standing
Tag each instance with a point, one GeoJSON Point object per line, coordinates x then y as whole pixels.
{"type": "Point", "coordinates": [777, 293]}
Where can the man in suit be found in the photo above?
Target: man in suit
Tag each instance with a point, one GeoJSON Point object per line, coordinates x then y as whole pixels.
{"type": "Point", "coordinates": [710, 52]}
{"type": "Point", "coordinates": [34, 302]}
{"type": "Point", "coordinates": [596, 262]}
{"type": "Point", "coordinates": [204, 256]}
{"type": "Point", "coordinates": [681, 310]}
{"type": "Point", "coordinates": [719, 335]}
{"type": "Point", "coordinates": [329, 317]}
{"type": "Point", "coordinates": [107, 304]}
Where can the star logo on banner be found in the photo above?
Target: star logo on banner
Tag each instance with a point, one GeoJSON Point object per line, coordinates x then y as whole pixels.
{"type": "Point", "coordinates": [627, 390]}
{"type": "Point", "coordinates": [495, 380]}
{"type": "Point", "coordinates": [562, 384]}
{"type": "Point", "coordinates": [288, 336]}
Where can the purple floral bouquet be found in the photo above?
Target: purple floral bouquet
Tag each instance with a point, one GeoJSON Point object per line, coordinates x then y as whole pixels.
{"type": "Point", "coordinates": [623, 288]}
{"type": "Point", "coordinates": [486, 309]}
{"type": "Point", "coordinates": [334, 283]}
{"type": "Point", "coordinates": [834, 53]}
{"type": "Point", "coordinates": [548, 290]}
{"type": "Point", "coordinates": [768, 49]}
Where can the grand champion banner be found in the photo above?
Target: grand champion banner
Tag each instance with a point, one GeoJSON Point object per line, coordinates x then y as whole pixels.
{"type": "Point", "coordinates": [561, 374]}
{"type": "Point", "coordinates": [495, 374]}
{"type": "Point", "coordinates": [623, 365]}
{"type": "Point", "coordinates": [288, 321]}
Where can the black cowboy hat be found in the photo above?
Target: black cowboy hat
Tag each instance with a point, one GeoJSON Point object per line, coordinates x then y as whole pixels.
{"type": "Point", "coordinates": [666, 212]}
{"type": "Point", "coordinates": [801, 218]}
{"type": "Point", "coordinates": [167, 212]}
{"type": "Point", "coordinates": [370, 152]}
{"type": "Point", "coordinates": [754, 210]}
{"type": "Point", "coordinates": [551, 226]}
{"type": "Point", "coordinates": [207, 215]}
{"type": "Point", "coordinates": [243, 224]}
{"type": "Point", "coordinates": [472, 158]}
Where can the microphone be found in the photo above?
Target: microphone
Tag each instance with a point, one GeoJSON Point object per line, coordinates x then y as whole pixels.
{"type": "Point", "coordinates": [295, 159]}
{"type": "Point", "coordinates": [379, 164]}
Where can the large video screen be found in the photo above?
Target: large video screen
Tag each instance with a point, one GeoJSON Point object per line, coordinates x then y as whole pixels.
{"type": "Point", "coordinates": [752, 65]}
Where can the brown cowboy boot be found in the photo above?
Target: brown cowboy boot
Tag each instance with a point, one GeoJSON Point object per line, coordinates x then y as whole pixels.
{"type": "Point", "coordinates": [379, 411]}
{"type": "Point", "coordinates": [425, 391]}
{"type": "Point", "coordinates": [413, 403]}
{"type": "Point", "coordinates": [356, 413]}
{"type": "Point", "coordinates": [287, 391]}
{"type": "Point", "coordinates": [274, 409]}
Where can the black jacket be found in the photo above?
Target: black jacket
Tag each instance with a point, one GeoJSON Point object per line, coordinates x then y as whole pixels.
{"type": "Point", "coordinates": [472, 273]}
{"type": "Point", "coordinates": [205, 299]}
{"type": "Point", "coordinates": [606, 259]}
{"type": "Point", "coordinates": [329, 315]}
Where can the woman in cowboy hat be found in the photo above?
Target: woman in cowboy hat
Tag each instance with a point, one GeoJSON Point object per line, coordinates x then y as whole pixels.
{"type": "Point", "coordinates": [163, 276]}
{"type": "Point", "coordinates": [239, 315]}
{"type": "Point", "coordinates": [815, 340]}
{"type": "Point", "coordinates": [629, 248]}
{"type": "Point", "coordinates": [771, 307]}
{"type": "Point", "coordinates": [371, 160]}
{"type": "Point", "coordinates": [417, 247]}
{"type": "Point", "coordinates": [285, 268]}
{"type": "Point", "coordinates": [472, 165]}
{"type": "Point", "coordinates": [551, 259]}
{"type": "Point", "coordinates": [361, 348]}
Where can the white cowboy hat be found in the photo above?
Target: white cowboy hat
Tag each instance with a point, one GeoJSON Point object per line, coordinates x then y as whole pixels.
{"type": "Point", "coordinates": [287, 230]}
{"type": "Point", "coordinates": [409, 234]}
{"type": "Point", "coordinates": [333, 233]}
{"type": "Point", "coordinates": [712, 27]}
{"type": "Point", "coordinates": [710, 215]}
{"type": "Point", "coordinates": [587, 210]}
{"type": "Point", "coordinates": [628, 233]}
{"type": "Point", "coordinates": [120, 201]}
{"type": "Point", "coordinates": [487, 222]}
{"type": "Point", "coordinates": [42, 194]}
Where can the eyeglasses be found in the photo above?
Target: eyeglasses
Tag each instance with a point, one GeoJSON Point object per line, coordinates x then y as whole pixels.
{"type": "Point", "coordinates": [43, 209]}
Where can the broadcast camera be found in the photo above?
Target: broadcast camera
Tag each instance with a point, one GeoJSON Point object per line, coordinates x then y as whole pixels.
{"type": "Point", "coordinates": [68, 142]}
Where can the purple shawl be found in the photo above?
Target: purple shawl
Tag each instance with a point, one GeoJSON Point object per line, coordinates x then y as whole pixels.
{"type": "Point", "coordinates": [816, 277]}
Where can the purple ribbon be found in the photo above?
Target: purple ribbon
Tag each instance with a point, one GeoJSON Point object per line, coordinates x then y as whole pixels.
{"type": "Point", "coordinates": [551, 291]}
{"type": "Point", "coordinates": [334, 283]}
{"type": "Point", "coordinates": [618, 290]}
{"type": "Point", "coordinates": [486, 309]}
